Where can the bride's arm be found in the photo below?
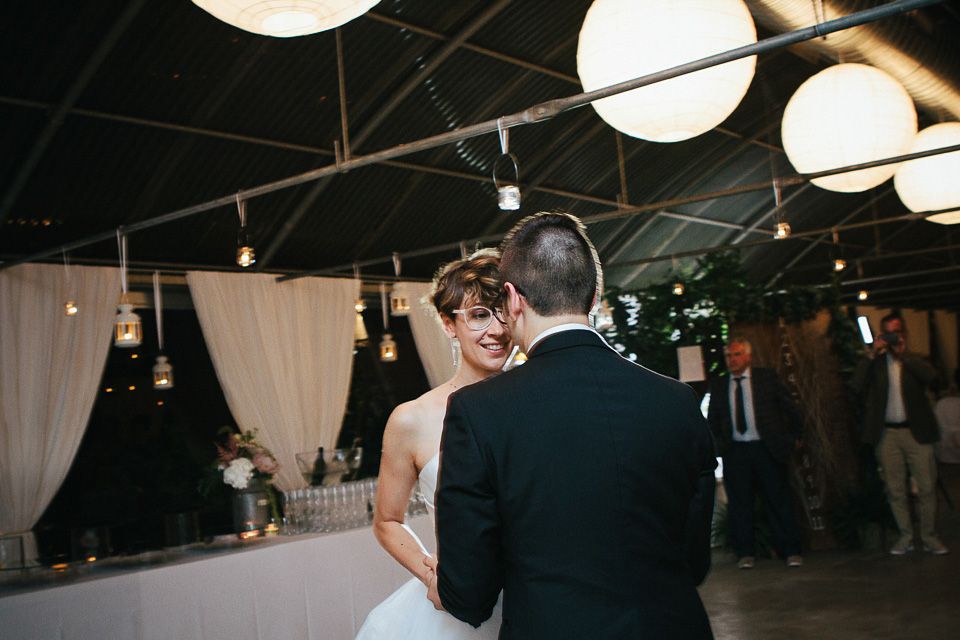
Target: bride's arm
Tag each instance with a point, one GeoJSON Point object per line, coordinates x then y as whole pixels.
{"type": "Point", "coordinates": [398, 473]}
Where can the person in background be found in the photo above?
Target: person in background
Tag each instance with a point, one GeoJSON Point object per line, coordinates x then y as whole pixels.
{"type": "Point", "coordinates": [900, 424]}
{"type": "Point", "coordinates": [757, 425]}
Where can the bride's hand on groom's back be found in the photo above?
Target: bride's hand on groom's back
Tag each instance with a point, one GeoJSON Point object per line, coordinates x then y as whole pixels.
{"type": "Point", "coordinates": [430, 579]}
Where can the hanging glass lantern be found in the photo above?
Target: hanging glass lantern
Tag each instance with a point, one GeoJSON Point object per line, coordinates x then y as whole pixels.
{"type": "Point", "coordinates": [782, 230]}
{"type": "Point", "coordinates": [508, 193]}
{"type": "Point", "coordinates": [128, 329]}
{"type": "Point", "coordinates": [245, 253]}
{"type": "Point", "coordinates": [678, 289]}
{"type": "Point", "coordinates": [388, 348]}
{"type": "Point", "coordinates": [70, 308]}
{"type": "Point", "coordinates": [862, 295]}
{"type": "Point", "coordinates": [399, 304]}
{"type": "Point", "coordinates": [162, 374]}
{"type": "Point", "coordinates": [839, 264]}
{"type": "Point", "coordinates": [245, 256]}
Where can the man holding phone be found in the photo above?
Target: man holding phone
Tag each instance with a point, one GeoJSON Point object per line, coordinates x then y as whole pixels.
{"type": "Point", "coordinates": [900, 424]}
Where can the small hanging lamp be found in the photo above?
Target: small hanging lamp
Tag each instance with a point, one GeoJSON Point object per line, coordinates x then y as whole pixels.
{"type": "Point", "coordinates": [70, 308]}
{"type": "Point", "coordinates": [127, 326]}
{"type": "Point", "coordinates": [163, 370]}
{"type": "Point", "coordinates": [863, 295]}
{"type": "Point", "coordinates": [782, 229]}
{"type": "Point", "coordinates": [245, 253]}
{"type": "Point", "coordinates": [508, 190]}
{"type": "Point", "coordinates": [399, 301]}
{"type": "Point", "coordinates": [388, 348]}
{"type": "Point", "coordinates": [359, 329]}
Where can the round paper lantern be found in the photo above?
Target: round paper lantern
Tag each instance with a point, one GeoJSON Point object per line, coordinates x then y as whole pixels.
{"type": "Point", "coordinates": [286, 18]}
{"type": "Point", "coordinates": [932, 183]}
{"type": "Point", "coordinates": [625, 39]}
{"type": "Point", "coordinates": [845, 115]}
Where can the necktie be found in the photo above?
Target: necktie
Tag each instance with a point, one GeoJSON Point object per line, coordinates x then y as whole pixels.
{"type": "Point", "coordinates": [739, 415]}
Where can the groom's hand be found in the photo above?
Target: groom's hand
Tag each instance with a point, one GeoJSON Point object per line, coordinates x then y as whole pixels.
{"type": "Point", "coordinates": [431, 582]}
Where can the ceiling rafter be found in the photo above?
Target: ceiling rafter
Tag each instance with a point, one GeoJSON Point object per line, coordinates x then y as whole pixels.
{"type": "Point", "coordinates": [371, 125]}
{"type": "Point", "coordinates": [109, 40]}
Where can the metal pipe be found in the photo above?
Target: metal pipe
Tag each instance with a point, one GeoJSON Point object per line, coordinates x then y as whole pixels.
{"type": "Point", "coordinates": [341, 82]}
{"type": "Point", "coordinates": [533, 114]}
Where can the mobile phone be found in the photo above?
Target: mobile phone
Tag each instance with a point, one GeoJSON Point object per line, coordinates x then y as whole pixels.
{"type": "Point", "coordinates": [890, 338]}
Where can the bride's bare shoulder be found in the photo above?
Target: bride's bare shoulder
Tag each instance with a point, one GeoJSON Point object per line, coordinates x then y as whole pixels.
{"type": "Point", "coordinates": [412, 418]}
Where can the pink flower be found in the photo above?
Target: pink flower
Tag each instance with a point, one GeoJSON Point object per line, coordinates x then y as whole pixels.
{"type": "Point", "coordinates": [265, 463]}
{"type": "Point", "coordinates": [230, 452]}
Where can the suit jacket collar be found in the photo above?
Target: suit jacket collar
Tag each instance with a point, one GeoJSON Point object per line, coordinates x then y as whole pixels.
{"type": "Point", "coordinates": [567, 339]}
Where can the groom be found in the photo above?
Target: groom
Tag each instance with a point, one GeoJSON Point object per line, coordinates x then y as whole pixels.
{"type": "Point", "coordinates": [580, 484]}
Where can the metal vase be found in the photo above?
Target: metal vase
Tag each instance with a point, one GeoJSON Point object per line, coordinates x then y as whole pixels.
{"type": "Point", "coordinates": [251, 507]}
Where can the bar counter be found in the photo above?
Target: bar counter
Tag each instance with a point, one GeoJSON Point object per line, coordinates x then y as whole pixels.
{"type": "Point", "coordinates": [309, 586]}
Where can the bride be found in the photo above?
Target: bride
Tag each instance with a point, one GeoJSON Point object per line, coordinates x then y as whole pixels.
{"type": "Point", "coordinates": [463, 294]}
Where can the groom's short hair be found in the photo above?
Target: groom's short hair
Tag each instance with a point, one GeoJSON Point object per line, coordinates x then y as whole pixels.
{"type": "Point", "coordinates": [550, 261]}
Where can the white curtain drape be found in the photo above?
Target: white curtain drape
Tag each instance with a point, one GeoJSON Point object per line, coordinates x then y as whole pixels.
{"type": "Point", "coordinates": [433, 345]}
{"type": "Point", "coordinates": [50, 369]}
{"type": "Point", "coordinates": [283, 352]}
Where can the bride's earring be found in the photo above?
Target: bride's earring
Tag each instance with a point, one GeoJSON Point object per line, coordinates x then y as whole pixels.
{"type": "Point", "coordinates": [455, 351]}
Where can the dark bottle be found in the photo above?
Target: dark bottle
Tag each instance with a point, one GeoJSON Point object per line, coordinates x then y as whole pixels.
{"type": "Point", "coordinates": [352, 458]}
{"type": "Point", "coordinates": [319, 469]}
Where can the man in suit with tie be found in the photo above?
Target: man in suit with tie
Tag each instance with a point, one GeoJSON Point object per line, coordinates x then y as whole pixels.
{"type": "Point", "coordinates": [757, 425]}
{"type": "Point", "coordinates": [581, 484]}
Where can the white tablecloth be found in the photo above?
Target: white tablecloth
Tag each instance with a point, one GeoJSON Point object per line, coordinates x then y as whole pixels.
{"type": "Point", "coordinates": [306, 587]}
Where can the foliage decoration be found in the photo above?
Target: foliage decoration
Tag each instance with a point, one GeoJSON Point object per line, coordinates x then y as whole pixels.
{"type": "Point", "coordinates": [650, 323]}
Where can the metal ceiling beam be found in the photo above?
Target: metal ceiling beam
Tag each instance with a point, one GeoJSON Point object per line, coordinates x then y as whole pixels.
{"type": "Point", "coordinates": [524, 64]}
{"type": "Point", "coordinates": [472, 47]}
{"type": "Point", "coordinates": [907, 274]}
{"type": "Point", "coordinates": [534, 114]}
{"type": "Point", "coordinates": [56, 119]}
{"type": "Point", "coordinates": [876, 258]}
{"type": "Point", "coordinates": [377, 119]}
{"type": "Point", "coordinates": [756, 243]}
{"type": "Point", "coordinates": [910, 287]}
{"type": "Point", "coordinates": [793, 261]}
{"type": "Point", "coordinates": [409, 166]}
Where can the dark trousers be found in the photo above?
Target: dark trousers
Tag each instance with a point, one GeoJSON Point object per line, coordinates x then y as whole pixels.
{"type": "Point", "coordinates": [745, 465]}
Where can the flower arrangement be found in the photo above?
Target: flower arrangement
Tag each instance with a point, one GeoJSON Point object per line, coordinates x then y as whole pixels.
{"type": "Point", "coordinates": [243, 458]}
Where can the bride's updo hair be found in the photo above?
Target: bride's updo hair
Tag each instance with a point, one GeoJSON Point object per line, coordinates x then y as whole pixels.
{"type": "Point", "coordinates": [473, 280]}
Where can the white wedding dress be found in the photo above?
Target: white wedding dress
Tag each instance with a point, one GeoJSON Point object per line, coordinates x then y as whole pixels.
{"type": "Point", "coordinates": [407, 614]}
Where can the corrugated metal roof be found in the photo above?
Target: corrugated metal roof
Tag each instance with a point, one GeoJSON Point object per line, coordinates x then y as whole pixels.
{"type": "Point", "coordinates": [177, 108]}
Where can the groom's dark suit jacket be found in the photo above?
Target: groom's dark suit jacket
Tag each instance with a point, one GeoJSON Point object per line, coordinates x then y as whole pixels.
{"type": "Point", "coordinates": [582, 485]}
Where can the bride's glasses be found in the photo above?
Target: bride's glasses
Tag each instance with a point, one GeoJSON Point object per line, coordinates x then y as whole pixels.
{"type": "Point", "coordinates": [479, 318]}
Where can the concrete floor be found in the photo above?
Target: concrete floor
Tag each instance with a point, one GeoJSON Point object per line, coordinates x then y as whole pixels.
{"type": "Point", "coordinates": [843, 594]}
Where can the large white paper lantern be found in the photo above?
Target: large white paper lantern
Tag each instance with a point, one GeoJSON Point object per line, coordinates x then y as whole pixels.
{"type": "Point", "coordinates": [932, 183]}
{"type": "Point", "coordinates": [625, 39]}
{"type": "Point", "coordinates": [846, 115]}
{"type": "Point", "coordinates": [286, 18]}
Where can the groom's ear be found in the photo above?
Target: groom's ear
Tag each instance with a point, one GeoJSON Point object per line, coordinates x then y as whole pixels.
{"type": "Point", "coordinates": [513, 299]}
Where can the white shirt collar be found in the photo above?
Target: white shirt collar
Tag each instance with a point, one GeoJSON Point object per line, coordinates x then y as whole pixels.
{"type": "Point", "coordinates": [557, 329]}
